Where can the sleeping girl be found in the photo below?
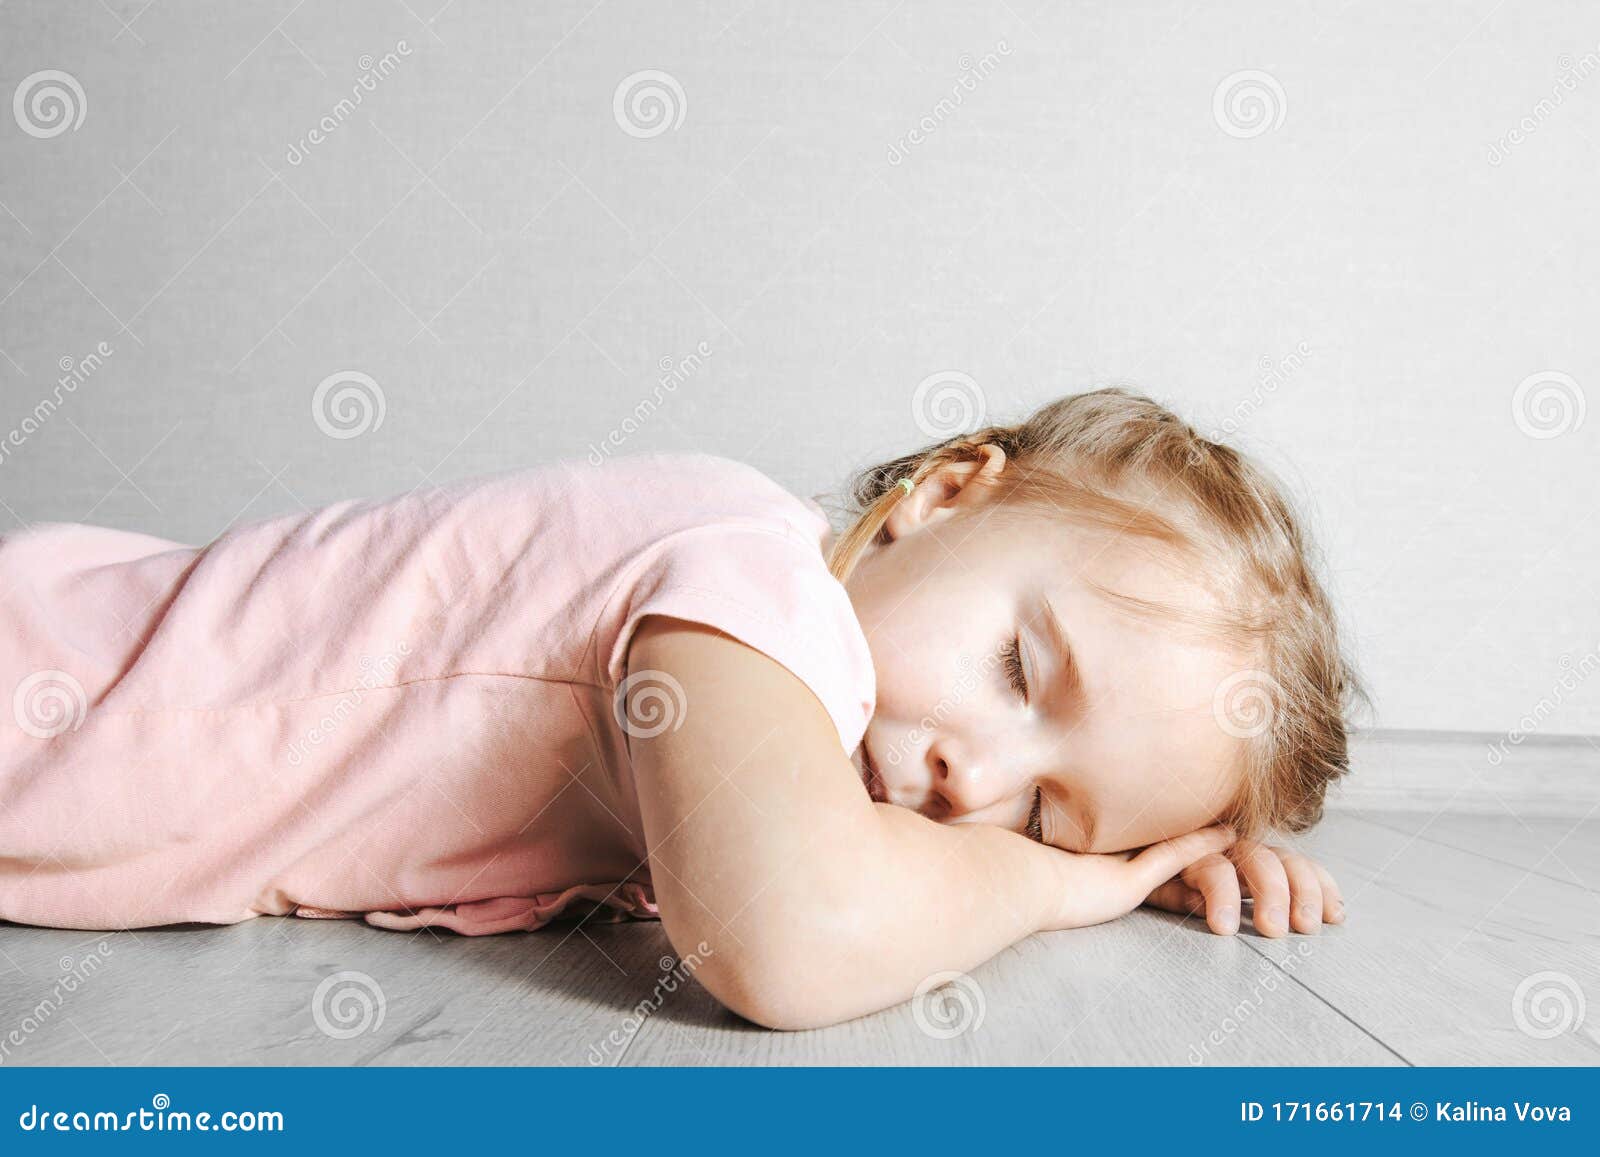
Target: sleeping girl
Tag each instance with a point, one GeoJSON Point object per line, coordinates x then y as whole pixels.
{"type": "Point", "coordinates": [1050, 672]}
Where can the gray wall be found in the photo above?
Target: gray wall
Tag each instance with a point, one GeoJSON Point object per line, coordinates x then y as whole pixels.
{"type": "Point", "coordinates": [1355, 272]}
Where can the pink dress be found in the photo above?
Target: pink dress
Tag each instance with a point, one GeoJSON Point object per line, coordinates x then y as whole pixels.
{"type": "Point", "coordinates": [401, 709]}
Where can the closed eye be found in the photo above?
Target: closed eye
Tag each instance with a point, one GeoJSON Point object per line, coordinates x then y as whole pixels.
{"type": "Point", "coordinates": [1011, 657]}
{"type": "Point", "coordinates": [1036, 817]}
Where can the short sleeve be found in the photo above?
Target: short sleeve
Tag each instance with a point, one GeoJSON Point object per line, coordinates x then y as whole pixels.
{"type": "Point", "coordinates": [770, 590]}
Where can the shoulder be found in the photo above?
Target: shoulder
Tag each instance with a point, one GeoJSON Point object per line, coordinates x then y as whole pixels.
{"type": "Point", "coordinates": [724, 545]}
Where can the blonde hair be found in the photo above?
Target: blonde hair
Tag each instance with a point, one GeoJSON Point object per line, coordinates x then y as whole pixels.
{"type": "Point", "coordinates": [1126, 464]}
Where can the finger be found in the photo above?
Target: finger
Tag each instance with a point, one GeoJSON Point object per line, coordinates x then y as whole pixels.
{"type": "Point", "coordinates": [1177, 896]}
{"type": "Point", "coordinates": [1218, 881]}
{"type": "Point", "coordinates": [1269, 884]}
{"type": "Point", "coordinates": [1305, 892]}
{"type": "Point", "coordinates": [1332, 898]}
{"type": "Point", "coordinates": [1160, 862]}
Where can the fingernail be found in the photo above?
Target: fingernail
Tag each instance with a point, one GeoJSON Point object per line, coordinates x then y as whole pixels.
{"type": "Point", "coordinates": [1312, 919]}
{"type": "Point", "coordinates": [1338, 912]}
{"type": "Point", "coordinates": [1278, 918]}
{"type": "Point", "coordinates": [1228, 919]}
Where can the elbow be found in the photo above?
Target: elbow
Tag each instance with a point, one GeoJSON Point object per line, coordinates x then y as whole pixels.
{"type": "Point", "coordinates": [775, 997]}
{"type": "Point", "coordinates": [779, 974]}
{"type": "Point", "coordinates": [803, 958]}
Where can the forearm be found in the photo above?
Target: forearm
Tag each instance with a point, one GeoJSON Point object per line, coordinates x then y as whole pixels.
{"type": "Point", "coordinates": [940, 897]}
{"type": "Point", "coordinates": [870, 907]}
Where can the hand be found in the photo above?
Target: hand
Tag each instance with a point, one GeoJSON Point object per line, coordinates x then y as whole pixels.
{"type": "Point", "coordinates": [1095, 887]}
{"type": "Point", "coordinates": [1290, 891]}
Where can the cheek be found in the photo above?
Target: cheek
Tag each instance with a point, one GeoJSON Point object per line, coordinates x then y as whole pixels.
{"type": "Point", "coordinates": [1140, 808]}
{"type": "Point", "coordinates": [1176, 808]}
{"type": "Point", "coordinates": [931, 691]}
{"type": "Point", "coordinates": [922, 659]}
{"type": "Point", "coordinates": [934, 649]}
{"type": "Point", "coordinates": [919, 684]}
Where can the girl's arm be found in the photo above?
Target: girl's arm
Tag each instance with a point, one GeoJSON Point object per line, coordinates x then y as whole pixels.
{"type": "Point", "coordinates": [814, 904]}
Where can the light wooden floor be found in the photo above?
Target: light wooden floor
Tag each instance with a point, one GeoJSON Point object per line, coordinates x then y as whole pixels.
{"type": "Point", "coordinates": [1448, 916]}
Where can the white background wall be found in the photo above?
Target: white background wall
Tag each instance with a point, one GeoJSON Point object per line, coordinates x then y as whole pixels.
{"type": "Point", "coordinates": [483, 238]}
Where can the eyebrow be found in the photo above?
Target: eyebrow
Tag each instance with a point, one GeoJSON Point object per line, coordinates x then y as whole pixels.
{"type": "Point", "coordinates": [1072, 675]}
{"type": "Point", "coordinates": [1089, 823]}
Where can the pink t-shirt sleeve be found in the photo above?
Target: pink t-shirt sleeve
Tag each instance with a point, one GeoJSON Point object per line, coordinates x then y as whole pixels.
{"type": "Point", "coordinates": [767, 588]}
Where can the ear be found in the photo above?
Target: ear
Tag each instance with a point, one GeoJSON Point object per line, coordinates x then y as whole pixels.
{"type": "Point", "coordinates": [945, 492]}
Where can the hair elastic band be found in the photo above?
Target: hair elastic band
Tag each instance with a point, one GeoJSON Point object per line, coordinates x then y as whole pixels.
{"type": "Point", "coordinates": [907, 483]}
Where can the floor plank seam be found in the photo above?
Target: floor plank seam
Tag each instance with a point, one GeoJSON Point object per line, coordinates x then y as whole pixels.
{"type": "Point", "coordinates": [1422, 835]}
{"type": "Point", "coordinates": [1361, 1028]}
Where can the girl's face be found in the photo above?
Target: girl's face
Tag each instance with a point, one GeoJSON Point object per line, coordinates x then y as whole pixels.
{"type": "Point", "coordinates": [1006, 681]}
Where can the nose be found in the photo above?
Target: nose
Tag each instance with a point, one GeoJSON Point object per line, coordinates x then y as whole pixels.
{"type": "Point", "coordinates": [965, 783]}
